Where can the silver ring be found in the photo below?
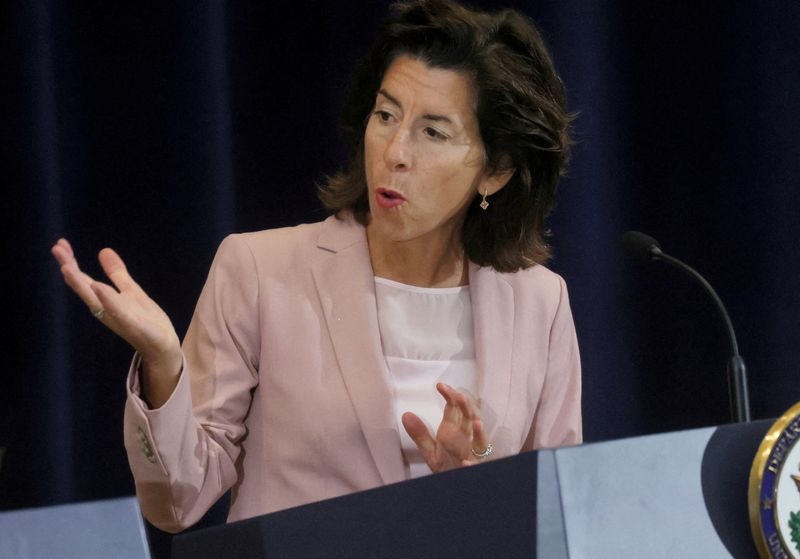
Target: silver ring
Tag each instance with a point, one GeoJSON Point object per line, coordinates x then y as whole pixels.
{"type": "Point", "coordinates": [99, 313]}
{"type": "Point", "coordinates": [484, 453]}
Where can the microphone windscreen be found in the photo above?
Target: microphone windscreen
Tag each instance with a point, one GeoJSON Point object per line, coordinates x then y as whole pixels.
{"type": "Point", "coordinates": [638, 245]}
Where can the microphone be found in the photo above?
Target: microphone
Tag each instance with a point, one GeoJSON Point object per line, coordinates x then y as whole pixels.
{"type": "Point", "coordinates": [643, 247]}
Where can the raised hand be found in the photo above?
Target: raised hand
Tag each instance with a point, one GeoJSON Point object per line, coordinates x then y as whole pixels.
{"type": "Point", "coordinates": [129, 313]}
{"type": "Point", "coordinates": [460, 439]}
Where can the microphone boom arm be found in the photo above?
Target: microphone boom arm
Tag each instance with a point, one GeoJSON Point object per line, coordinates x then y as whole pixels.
{"type": "Point", "coordinates": [737, 371]}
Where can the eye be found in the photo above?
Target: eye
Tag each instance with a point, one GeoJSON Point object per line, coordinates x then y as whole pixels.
{"type": "Point", "coordinates": [383, 116]}
{"type": "Point", "coordinates": [433, 133]}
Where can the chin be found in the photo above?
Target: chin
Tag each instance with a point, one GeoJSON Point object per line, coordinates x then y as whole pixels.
{"type": "Point", "coordinates": [391, 228]}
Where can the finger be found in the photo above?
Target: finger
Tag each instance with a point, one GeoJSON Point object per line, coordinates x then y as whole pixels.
{"type": "Point", "coordinates": [462, 411]}
{"type": "Point", "coordinates": [419, 433]}
{"type": "Point", "coordinates": [465, 406]}
{"type": "Point", "coordinates": [115, 269]}
{"type": "Point", "coordinates": [452, 411]}
{"type": "Point", "coordinates": [63, 252]}
{"type": "Point", "coordinates": [457, 398]}
{"type": "Point", "coordinates": [479, 438]}
{"type": "Point", "coordinates": [80, 283]}
{"type": "Point", "coordinates": [447, 392]}
{"type": "Point", "coordinates": [67, 246]}
{"type": "Point", "coordinates": [79, 274]}
{"type": "Point", "coordinates": [112, 302]}
{"type": "Point", "coordinates": [465, 414]}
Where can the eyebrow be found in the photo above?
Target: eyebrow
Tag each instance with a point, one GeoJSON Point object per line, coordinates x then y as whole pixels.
{"type": "Point", "coordinates": [426, 116]}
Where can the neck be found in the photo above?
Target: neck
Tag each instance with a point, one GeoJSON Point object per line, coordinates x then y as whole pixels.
{"type": "Point", "coordinates": [423, 262]}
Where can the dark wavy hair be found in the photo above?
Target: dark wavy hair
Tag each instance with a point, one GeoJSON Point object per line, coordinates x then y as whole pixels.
{"type": "Point", "coordinates": [520, 110]}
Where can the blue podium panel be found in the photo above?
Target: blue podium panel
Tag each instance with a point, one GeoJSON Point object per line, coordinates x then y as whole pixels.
{"type": "Point", "coordinates": [95, 530]}
{"type": "Point", "coordinates": [681, 494]}
{"type": "Point", "coordinates": [638, 498]}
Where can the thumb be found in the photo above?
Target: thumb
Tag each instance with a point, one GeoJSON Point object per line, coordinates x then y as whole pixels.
{"type": "Point", "coordinates": [115, 269]}
{"type": "Point", "coordinates": [419, 433]}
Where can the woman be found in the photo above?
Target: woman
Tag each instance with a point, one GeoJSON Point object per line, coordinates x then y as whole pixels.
{"type": "Point", "coordinates": [423, 292]}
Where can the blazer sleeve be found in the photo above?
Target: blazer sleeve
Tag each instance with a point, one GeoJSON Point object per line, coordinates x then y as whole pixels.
{"type": "Point", "coordinates": [184, 454]}
{"type": "Point", "coordinates": [557, 421]}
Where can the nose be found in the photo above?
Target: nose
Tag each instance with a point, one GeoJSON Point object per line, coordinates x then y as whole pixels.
{"type": "Point", "coordinates": [397, 154]}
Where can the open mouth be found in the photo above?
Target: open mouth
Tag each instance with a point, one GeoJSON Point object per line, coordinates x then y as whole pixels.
{"type": "Point", "coordinates": [388, 198]}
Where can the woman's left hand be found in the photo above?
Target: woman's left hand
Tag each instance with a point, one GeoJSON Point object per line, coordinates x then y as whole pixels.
{"type": "Point", "coordinates": [460, 431]}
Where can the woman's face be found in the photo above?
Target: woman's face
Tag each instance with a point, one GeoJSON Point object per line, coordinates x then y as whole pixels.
{"type": "Point", "coordinates": [423, 153]}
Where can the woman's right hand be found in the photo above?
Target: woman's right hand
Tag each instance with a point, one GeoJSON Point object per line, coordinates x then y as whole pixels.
{"type": "Point", "coordinates": [132, 315]}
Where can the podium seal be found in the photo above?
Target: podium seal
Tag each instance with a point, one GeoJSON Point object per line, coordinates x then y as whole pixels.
{"type": "Point", "coordinates": [774, 492]}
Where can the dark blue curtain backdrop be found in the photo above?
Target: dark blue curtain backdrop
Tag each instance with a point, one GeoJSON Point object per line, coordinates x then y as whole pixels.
{"type": "Point", "coordinates": [158, 130]}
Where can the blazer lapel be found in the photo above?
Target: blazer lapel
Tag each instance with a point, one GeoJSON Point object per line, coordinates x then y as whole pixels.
{"type": "Point", "coordinates": [493, 324]}
{"type": "Point", "coordinates": [346, 289]}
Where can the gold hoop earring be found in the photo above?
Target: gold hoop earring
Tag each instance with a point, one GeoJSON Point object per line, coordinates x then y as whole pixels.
{"type": "Point", "coordinates": [484, 203]}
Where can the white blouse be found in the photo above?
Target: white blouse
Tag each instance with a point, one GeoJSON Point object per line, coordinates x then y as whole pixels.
{"type": "Point", "coordinates": [427, 338]}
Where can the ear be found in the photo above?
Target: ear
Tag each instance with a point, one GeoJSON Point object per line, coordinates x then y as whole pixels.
{"type": "Point", "coordinates": [497, 180]}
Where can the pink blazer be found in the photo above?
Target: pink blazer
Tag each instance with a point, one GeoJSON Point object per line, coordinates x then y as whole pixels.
{"type": "Point", "coordinates": [285, 395]}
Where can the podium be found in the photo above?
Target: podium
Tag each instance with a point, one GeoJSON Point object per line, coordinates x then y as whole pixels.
{"type": "Point", "coordinates": [93, 530]}
{"type": "Point", "coordinates": [681, 494]}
